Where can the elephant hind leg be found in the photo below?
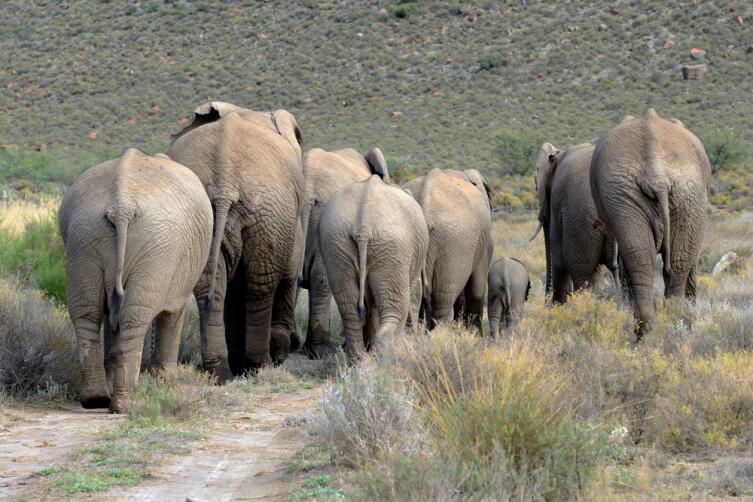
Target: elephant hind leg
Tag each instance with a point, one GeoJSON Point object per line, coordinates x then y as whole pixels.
{"type": "Point", "coordinates": [474, 297]}
{"type": "Point", "coordinates": [167, 339]}
{"type": "Point", "coordinates": [494, 311]}
{"type": "Point", "coordinates": [126, 353]}
{"type": "Point", "coordinates": [87, 306]}
{"type": "Point", "coordinates": [561, 285]}
{"type": "Point", "coordinates": [317, 345]}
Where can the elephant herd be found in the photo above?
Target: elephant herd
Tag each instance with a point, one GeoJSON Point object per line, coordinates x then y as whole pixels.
{"type": "Point", "coordinates": [236, 214]}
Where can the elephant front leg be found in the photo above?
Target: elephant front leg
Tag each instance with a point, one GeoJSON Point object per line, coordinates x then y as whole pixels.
{"type": "Point", "coordinates": [126, 354]}
{"type": "Point", "coordinates": [167, 339]}
{"type": "Point", "coordinates": [494, 311]}
{"type": "Point", "coordinates": [317, 345]}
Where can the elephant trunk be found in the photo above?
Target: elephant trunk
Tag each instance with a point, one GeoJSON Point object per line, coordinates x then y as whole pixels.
{"type": "Point", "coordinates": [221, 209]}
{"type": "Point", "coordinates": [362, 245]}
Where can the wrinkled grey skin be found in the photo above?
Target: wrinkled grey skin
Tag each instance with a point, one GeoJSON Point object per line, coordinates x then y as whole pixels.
{"type": "Point", "coordinates": [373, 241]}
{"type": "Point", "coordinates": [576, 241]}
{"type": "Point", "coordinates": [137, 231]}
{"type": "Point", "coordinates": [250, 165]}
{"type": "Point", "coordinates": [508, 286]}
{"type": "Point", "coordinates": [324, 174]}
{"type": "Point", "coordinates": [456, 205]}
{"type": "Point", "coordinates": [649, 179]}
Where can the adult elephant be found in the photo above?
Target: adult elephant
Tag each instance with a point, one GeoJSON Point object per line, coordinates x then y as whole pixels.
{"type": "Point", "coordinates": [457, 208]}
{"type": "Point", "coordinates": [324, 174]}
{"type": "Point", "coordinates": [250, 165]}
{"type": "Point", "coordinates": [649, 180]}
{"type": "Point", "coordinates": [137, 231]}
{"type": "Point", "coordinates": [373, 241]}
{"type": "Point", "coordinates": [575, 239]}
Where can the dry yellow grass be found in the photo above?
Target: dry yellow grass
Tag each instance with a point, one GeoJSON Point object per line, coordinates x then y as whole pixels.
{"type": "Point", "coordinates": [15, 216]}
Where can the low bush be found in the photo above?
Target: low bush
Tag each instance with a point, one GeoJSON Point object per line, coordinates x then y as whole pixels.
{"type": "Point", "coordinates": [37, 345]}
{"type": "Point", "coordinates": [517, 150]}
{"type": "Point", "coordinates": [37, 254]}
{"type": "Point", "coordinates": [179, 394]}
{"type": "Point", "coordinates": [726, 148]}
{"type": "Point", "coordinates": [368, 415]}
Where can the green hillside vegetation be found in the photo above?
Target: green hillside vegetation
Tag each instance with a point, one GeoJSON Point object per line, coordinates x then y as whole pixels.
{"type": "Point", "coordinates": [468, 85]}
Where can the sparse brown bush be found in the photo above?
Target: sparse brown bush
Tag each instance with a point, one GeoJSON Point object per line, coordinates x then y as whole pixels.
{"type": "Point", "coordinates": [37, 345]}
{"type": "Point", "coordinates": [369, 415]}
{"type": "Point", "coordinates": [175, 393]}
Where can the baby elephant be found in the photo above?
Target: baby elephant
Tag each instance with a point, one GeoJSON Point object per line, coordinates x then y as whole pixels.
{"type": "Point", "coordinates": [137, 231]}
{"type": "Point", "coordinates": [373, 239]}
{"type": "Point", "coordinates": [508, 291]}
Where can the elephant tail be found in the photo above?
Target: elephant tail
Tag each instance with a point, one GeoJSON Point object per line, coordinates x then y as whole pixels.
{"type": "Point", "coordinates": [362, 245]}
{"type": "Point", "coordinates": [115, 301]}
{"type": "Point", "coordinates": [666, 245]}
{"type": "Point", "coordinates": [221, 209]}
{"type": "Point", "coordinates": [426, 296]}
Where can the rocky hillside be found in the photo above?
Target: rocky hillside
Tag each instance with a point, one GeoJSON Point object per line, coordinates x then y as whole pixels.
{"type": "Point", "coordinates": [432, 84]}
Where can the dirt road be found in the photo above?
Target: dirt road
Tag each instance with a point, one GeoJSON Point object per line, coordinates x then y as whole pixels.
{"type": "Point", "coordinates": [243, 458]}
{"type": "Point", "coordinates": [33, 439]}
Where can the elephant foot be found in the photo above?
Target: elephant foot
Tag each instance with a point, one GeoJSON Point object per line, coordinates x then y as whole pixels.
{"type": "Point", "coordinates": [95, 402]}
{"type": "Point", "coordinates": [252, 364]}
{"type": "Point", "coordinates": [318, 350]}
{"type": "Point", "coordinates": [220, 373]}
{"type": "Point", "coordinates": [295, 341]}
{"type": "Point", "coordinates": [118, 404]}
{"type": "Point", "coordinates": [279, 345]}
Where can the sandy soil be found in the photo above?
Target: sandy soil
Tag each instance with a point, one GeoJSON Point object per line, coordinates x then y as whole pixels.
{"type": "Point", "coordinates": [244, 458]}
{"type": "Point", "coordinates": [32, 439]}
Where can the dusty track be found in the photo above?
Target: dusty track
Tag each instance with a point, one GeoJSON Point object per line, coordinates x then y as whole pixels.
{"type": "Point", "coordinates": [41, 437]}
{"type": "Point", "coordinates": [244, 458]}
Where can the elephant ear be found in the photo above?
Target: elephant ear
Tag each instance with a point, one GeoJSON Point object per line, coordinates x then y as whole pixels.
{"type": "Point", "coordinates": [208, 113]}
{"type": "Point", "coordinates": [377, 164]}
{"type": "Point", "coordinates": [287, 126]}
{"type": "Point", "coordinates": [475, 177]}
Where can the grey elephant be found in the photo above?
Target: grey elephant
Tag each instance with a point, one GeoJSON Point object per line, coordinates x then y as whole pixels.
{"type": "Point", "coordinates": [457, 208]}
{"type": "Point", "coordinates": [649, 179]}
{"type": "Point", "coordinates": [137, 231]}
{"type": "Point", "coordinates": [575, 239]}
{"type": "Point", "coordinates": [324, 174]}
{"type": "Point", "coordinates": [373, 241]}
{"type": "Point", "coordinates": [250, 165]}
{"type": "Point", "coordinates": [509, 286]}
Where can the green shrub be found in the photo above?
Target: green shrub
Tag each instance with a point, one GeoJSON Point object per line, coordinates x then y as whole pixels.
{"type": "Point", "coordinates": [517, 150]}
{"type": "Point", "coordinates": [726, 148]}
{"type": "Point", "coordinates": [38, 255]}
{"type": "Point", "coordinates": [404, 10]}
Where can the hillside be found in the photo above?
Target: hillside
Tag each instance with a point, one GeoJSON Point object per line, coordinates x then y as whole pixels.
{"type": "Point", "coordinates": [432, 84]}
